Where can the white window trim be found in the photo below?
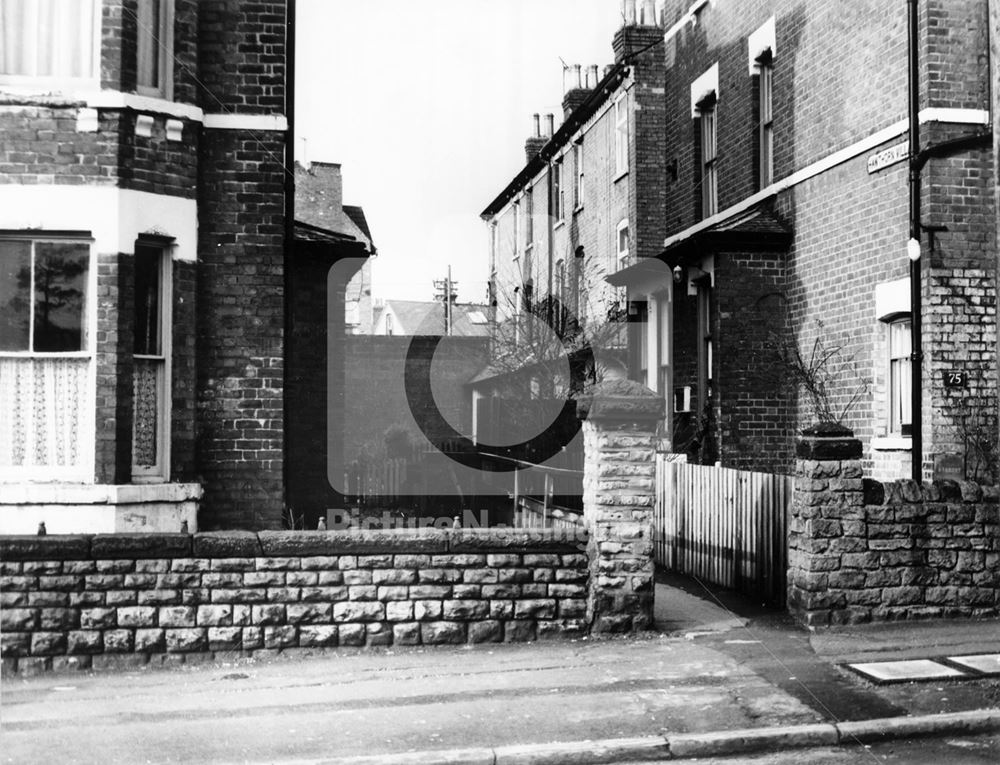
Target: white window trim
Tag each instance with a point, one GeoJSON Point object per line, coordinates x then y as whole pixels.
{"type": "Point", "coordinates": [703, 87]}
{"type": "Point", "coordinates": [887, 323]}
{"type": "Point", "coordinates": [760, 41]}
{"type": "Point", "coordinates": [165, 53]}
{"type": "Point", "coordinates": [49, 85]}
{"type": "Point", "coordinates": [621, 131]}
{"type": "Point", "coordinates": [622, 254]}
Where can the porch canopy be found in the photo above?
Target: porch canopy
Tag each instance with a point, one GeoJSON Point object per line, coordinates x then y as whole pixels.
{"type": "Point", "coordinates": [755, 230]}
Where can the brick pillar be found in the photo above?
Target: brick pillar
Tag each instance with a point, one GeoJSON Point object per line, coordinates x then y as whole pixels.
{"type": "Point", "coordinates": [827, 522]}
{"type": "Point", "coordinates": [619, 431]}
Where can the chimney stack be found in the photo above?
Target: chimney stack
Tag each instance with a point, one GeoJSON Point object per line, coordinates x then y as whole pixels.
{"type": "Point", "coordinates": [576, 93]}
{"type": "Point", "coordinates": [640, 31]}
{"type": "Point", "coordinates": [535, 141]}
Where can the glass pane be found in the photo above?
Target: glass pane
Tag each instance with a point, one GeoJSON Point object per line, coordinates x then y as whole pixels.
{"type": "Point", "coordinates": [145, 439]}
{"type": "Point", "coordinates": [899, 339]}
{"type": "Point", "coordinates": [900, 389]}
{"type": "Point", "coordinates": [148, 47]}
{"type": "Point", "coordinates": [147, 300]}
{"type": "Point", "coordinates": [46, 37]}
{"type": "Point", "coordinates": [60, 296]}
{"type": "Point", "coordinates": [15, 292]}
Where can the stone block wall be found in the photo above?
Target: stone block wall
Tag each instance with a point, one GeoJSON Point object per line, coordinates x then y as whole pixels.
{"type": "Point", "coordinates": [127, 599]}
{"type": "Point", "coordinates": [619, 433]}
{"type": "Point", "coordinates": [861, 550]}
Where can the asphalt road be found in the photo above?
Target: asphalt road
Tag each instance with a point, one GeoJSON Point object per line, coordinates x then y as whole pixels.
{"type": "Point", "coordinates": [982, 750]}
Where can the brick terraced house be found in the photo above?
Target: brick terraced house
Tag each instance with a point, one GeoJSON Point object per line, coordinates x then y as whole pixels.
{"type": "Point", "coordinates": [143, 229]}
{"type": "Point", "coordinates": [768, 218]}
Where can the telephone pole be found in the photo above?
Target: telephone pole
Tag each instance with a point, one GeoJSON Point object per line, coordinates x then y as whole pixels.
{"type": "Point", "coordinates": [447, 292]}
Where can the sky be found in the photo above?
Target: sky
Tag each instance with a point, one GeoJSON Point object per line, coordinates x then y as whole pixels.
{"type": "Point", "coordinates": [426, 105]}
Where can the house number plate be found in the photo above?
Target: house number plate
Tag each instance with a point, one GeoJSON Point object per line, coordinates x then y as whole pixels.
{"type": "Point", "coordinates": [956, 379]}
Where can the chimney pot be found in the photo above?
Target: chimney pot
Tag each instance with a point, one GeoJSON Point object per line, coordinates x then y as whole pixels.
{"type": "Point", "coordinates": [577, 83]}
{"type": "Point", "coordinates": [649, 13]}
{"type": "Point", "coordinates": [538, 126]}
{"type": "Point", "coordinates": [628, 11]}
{"type": "Point", "coordinates": [550, 123]}
{"type": "Point", "coordinates": [592, 76]}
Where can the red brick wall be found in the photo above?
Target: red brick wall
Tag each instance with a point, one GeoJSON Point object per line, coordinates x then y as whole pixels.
{"type": "Point", "coordinates": [113, 356]}
{"type": "Point", "coordinates": [241, 344]}
{"type": "Point", "coordinates": [241, 328]}
{"type": "Point", "coordinates": [241, 56]}
{"type": "Point", "coordinates": [41, 145]}
{"type": "Point", "coordinates": [183, 373]}
{"type": "Point", "coordinates": [838, 78]}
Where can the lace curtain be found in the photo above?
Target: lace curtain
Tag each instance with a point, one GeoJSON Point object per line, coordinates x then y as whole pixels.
{"type": "Point", "coordinates": [42, 406]}
{"type": "Point", "coordinates": [47, 38]}
{"type": "Point", "coordinates": [145, 436]}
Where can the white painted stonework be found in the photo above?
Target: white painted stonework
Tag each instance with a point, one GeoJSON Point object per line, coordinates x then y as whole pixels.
{"type": "Point", "coordinates": [115, 217]}
{"type": "Point", "coordinates": [98, 509]}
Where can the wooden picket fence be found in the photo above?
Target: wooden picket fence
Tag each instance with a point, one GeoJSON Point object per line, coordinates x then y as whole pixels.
{"type": "Point", "coordinates": [381, 479]}
{"type": "Point", "coordinates": [724, 526]}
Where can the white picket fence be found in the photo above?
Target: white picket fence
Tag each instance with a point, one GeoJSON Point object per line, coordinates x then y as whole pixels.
{"type": "Point", "coordinates": [722, 525]}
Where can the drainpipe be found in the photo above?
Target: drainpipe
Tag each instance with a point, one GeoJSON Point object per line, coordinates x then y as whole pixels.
{"type": "Point", "coordinates": [288, 280]}
{"type": "Point", "coordinates": [913, 249]}
{"type": "Point", "coordinates": [994, 106]}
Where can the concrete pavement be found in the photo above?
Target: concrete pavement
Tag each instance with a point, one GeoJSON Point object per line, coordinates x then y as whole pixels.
{"type": "Point", "coordinates": [712, 671]}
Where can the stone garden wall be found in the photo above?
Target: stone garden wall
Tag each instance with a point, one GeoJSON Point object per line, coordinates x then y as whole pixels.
{"type": "Point", "coordinates": [123, 600]}
{"type": "Point", "coordinates": [861, 550]}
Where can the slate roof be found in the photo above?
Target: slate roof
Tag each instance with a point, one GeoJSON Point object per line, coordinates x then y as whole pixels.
{"type": "Point", "coordinates": [420, 317]}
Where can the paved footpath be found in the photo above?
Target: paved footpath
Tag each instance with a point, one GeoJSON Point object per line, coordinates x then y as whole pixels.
{"type": "Point", "coordinates": [710, 671]}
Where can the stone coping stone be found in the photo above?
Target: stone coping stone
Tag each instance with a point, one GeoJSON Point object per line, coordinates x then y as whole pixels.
{"type": "Point", "coordinates": [226, 544]}
{"type": "Point", "coordinates": [828, 448]}
{"type": "Point", "coordinates": [518, 540]}
{"type": "Point", "coordinates": [353, 542]}
{"type": "Point", "coordinates": [54, 547]}
{"type": "Point", "coordinates": [620, 401]}
{"type": "Point", "coordinates": [249, 544]}
{"type": "Point", "coordinates": [905, 491]}
{"type": "Point", "coordinates": [111, 546]}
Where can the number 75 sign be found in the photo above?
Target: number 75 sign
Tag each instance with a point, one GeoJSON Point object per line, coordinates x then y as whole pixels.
{"type": "Point", "coordinates": [955, 379]}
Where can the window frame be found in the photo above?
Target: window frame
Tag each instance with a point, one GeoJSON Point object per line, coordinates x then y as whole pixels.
{"type": "Point", "coordinates": [90, 81]}
{"type": "Point", "coordinates": [83, 470]}
{"type": "Point", "coordinates": [621, 135]}
{"type": "Point", "coordinates": [160, 471]}
{"type": "Point", "coordinates": [578, 177]}
{"type": "Point", "coordinates": [708, 155]}
{"type": "Point", "coordinates": [623, 225]}
{"type": "Point", "coordinates": [558, 200]}
{"type": "Point", "coordinates": [765, 123]}
{"type": "Point", "coordinates": [162, 45]}
{"type": "Point", "coordinates": [529, 216]}
{"type": "Point", "coordinates": [902, 428]}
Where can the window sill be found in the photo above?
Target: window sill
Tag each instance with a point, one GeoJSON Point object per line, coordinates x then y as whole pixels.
{"type": "Point", "coordinates": [577, 210]}
{"type": "Point", "coordinates": [892, 443]}
{"type": "Point", "coordinates": [559, 224]}
{"type": "Point", "coordinates": [620, 175]}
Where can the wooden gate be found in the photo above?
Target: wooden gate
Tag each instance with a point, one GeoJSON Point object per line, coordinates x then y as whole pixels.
{"type": "Point", "coordinates": [725, 526]}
